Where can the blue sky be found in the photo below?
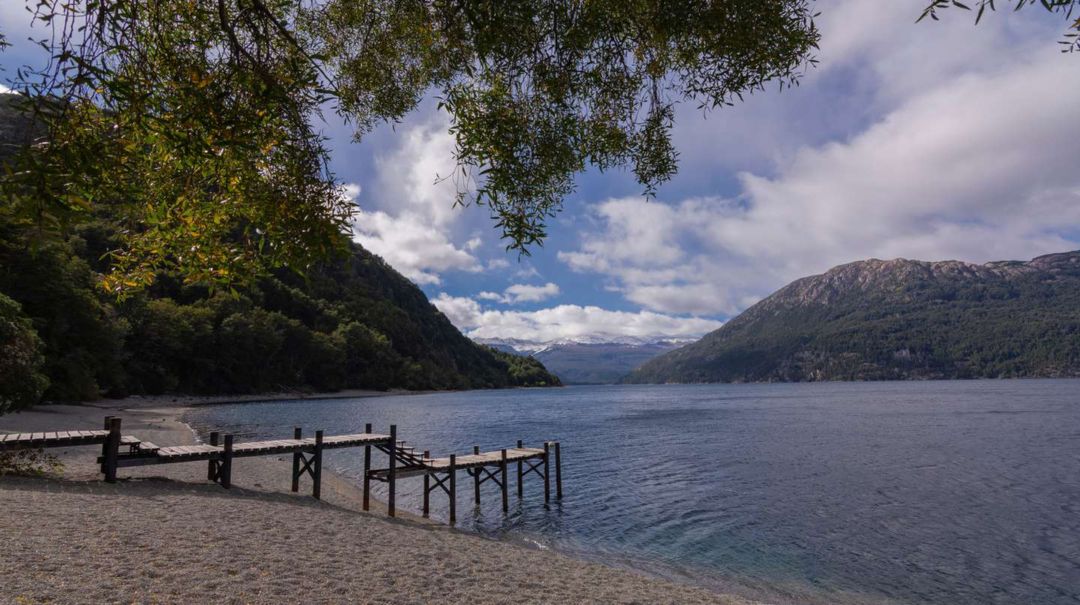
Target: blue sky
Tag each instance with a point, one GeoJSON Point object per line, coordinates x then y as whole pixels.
{"type": "Point", "coordinates": [934, 141]}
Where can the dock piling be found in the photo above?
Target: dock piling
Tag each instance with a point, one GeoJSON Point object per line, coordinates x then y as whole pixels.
{"type": "Point", "coordinates": [367, 468]}
{"type": "Point", "coordinates": [558, 472]}
{"type": "Point", "coordinates": [212, 465]}
{"type": "Point", "coordinates": [502, 471]}
{"type": "Point", "coordinates": [547, 475]}
{"type": "Point", "coordinates": [316, 472]}
{"type": "Point", "coordinates": [453, 489]}
{"type": "Point", "coordinates": [520, 475]}
{"type": "Point", "coordinates": [392, 474]}
{"type": "Point", "coordinates": [297, 434]}
{"type": "Point", "coordinates": [427, 487]}
{"type": "Point", "coordinates": [225, 470]}
{"type": "Point", "coordinates": [112, 449]}
{"type": "Point", "coordinates": [476, 477]}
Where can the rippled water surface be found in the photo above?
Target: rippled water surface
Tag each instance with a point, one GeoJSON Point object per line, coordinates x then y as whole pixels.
{"type": "Point", "coordinates": [932, 492]}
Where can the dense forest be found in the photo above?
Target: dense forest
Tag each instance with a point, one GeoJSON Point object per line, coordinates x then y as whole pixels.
{"type": "Point", "coordinates": [350, 321]}
{"type": "Point", "coordinates": [892, 320]}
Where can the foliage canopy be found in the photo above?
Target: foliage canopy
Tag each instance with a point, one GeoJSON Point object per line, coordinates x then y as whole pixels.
{"type": "Point", "coordinates": [195, 117]}
{"type": "Point", "coordinates": [1065, 8]}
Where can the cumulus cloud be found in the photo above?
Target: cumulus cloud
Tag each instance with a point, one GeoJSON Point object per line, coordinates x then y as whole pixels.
{"type": "Point", "coordinates": [409, 219]}
{"type": "Point", "coordinates": [567, 322]}
{"type": "Point", "coordinates": [419, 250]}
{"type": "Point", "coordinates": [969, 168]}
{"type": "Point", "coordinates": [521, 293]}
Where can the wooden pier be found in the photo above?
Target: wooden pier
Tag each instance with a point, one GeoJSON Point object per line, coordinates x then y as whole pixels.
{"type": "Point", "coordinates": [119, 451]}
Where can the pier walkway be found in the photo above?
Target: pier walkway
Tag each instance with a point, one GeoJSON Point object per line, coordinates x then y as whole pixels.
{"type": "Point", "coordinates": [119, 450]}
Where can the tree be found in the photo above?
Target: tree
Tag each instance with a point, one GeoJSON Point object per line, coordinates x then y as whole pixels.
{"type": "Point", "coordinates": [195, 117]}
{"type": "Point", "coordinates": [21, 360]}
{"type": "Point", "coordinates": [1065, 8]}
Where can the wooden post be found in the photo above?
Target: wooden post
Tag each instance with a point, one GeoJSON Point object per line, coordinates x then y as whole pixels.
{"type": "Point", "coordinates": [502, 470]}
{"type": "Point", "coordinates": [225, 470]}
{"type": "Point", "coordinates": [297, 434]}
{"type": "Point", "coordinates": [521, 476]}
{"type": "Point", "coordinates": [453, 489]}
{"type": "Point", "coordinates": [476, 477]}
{"type": "Point", "coordinates": [112, 450]}
{"type": "Point", "coordinates": [316, 490]}
{"type": "Point", "coordinates": [392, 473]}
{"type": "Point", "coordinates": [367, 468]}
{"type": "Point", "coordinates": [547, 475]}
{"type": "Point", "coordinates": [427, 486]}
{"type": "Point", "coordinates": [558, 472]}
{"type": "Point", "coordinates": [105, 444]}
{"type": "Point", "coordinates": [211, 465]}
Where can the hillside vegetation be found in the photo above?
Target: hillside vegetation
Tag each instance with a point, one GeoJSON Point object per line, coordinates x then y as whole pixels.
{"type": "Point", "coordinates": [349, 322]}
{"type": "Point", "coordinates": [899, 319]}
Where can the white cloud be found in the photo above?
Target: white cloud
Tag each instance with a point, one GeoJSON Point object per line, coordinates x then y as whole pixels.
{"type": "Point", "coordinates": [979, 167]}
{"type": "Point", "coordinates": [873, 59]}
{"type": "Point", "coordinates": [411, 245]}
{"type": "Point", "coordinates": [410, 242]}
{"type": "Point", "coordinates": [567, 322]}
{"type": "Point", "coordinates": [409, 218]}
{"type": "Point", "coordinates": [521, 293]}
{"type": "Point", "coordinates": [413, 178]}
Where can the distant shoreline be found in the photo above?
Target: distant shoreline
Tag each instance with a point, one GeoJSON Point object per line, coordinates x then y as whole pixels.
{"type": "Point", "coordinates": [189, 401]}
{"type": "Point", "coordinates": [168, 400]}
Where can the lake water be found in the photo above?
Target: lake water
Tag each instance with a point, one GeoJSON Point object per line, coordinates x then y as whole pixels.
{"type": "Point", "coordinates": [893, 492]}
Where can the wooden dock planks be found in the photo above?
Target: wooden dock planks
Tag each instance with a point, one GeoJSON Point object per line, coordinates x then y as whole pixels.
{"type": "Point", "coordinates": [485, 458]}
{"type": "Point", "coordinates": [52, 439]}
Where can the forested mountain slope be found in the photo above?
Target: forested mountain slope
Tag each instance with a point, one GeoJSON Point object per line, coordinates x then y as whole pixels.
{"type": "Point", "coordinates": [351, 321]}
{"type": "Point", "coordinates": [899, 319]}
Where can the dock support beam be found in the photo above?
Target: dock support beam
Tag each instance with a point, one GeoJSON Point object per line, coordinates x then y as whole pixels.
{"type": "Point", "coordinates": [225, 471]}
{"type": "Point", "coordinates": [558, 472]}
{"type": "Point", "coordinates": [427, 487]}
{"type": "Point", "coordinates": [367, 468]}
{"type": "Point", "coordinates": [212, 465]}
{"type": "Point", "coordinates": [502, 471]}
{"type": "Point", "coordinates": [521, 476]}
{"type": "Point", "coordinates": [105, 446]}
{"type": "Point", "coordinates": [547, 474]}
{"type": "Point", "coordinates": [316, 472]}
{"type": "Point", "coordinates": [297, 434]}
{"type": "Point", "coordinates": [453, 489]}
{"type": "Point", "coordinates": [476, 478]}
{"type": "Point", "coordinates": [112, 450]}
{"type": "Point", "coordinates": [392, 474]}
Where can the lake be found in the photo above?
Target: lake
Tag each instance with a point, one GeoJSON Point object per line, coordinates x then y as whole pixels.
{"type": "Point", "coordinates": [889, 492]}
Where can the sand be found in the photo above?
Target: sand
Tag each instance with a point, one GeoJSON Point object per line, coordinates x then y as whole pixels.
{"type": "Point", "coordinates": [163, 534]}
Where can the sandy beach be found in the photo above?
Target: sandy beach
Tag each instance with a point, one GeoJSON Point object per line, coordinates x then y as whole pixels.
{"type": "Point", "coordinates": [163, 534]}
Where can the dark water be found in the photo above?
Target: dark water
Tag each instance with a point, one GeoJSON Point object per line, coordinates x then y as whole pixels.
{"type": "Point", "coordinates": [934, 492]}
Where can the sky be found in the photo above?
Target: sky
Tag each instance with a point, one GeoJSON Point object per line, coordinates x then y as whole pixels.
{"type": "Point", "coordinates": [930, 141]}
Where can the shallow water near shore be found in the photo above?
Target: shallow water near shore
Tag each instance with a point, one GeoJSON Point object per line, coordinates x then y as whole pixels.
{"type": "Point", "coordinates": [890, 492]}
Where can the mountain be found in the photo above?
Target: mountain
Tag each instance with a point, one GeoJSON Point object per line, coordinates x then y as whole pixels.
{"type": "Point", "coordinates": [351, 321]}
{"type": "Point", "coordinates": [898, 319]}
{"type": "Point", "coordinates": [597, 363]}
{"type": "Point", "coordinates": [587, 362]}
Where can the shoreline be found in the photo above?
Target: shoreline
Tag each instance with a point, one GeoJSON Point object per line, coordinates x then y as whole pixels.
{"type": "Point", "coordinates": [359, 556]}
{"type": "Point", "coordinates": [185, 401]}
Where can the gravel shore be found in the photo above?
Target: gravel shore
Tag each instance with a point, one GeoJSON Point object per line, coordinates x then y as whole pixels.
{"type": "Point", "coordinates": [163, 534]}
